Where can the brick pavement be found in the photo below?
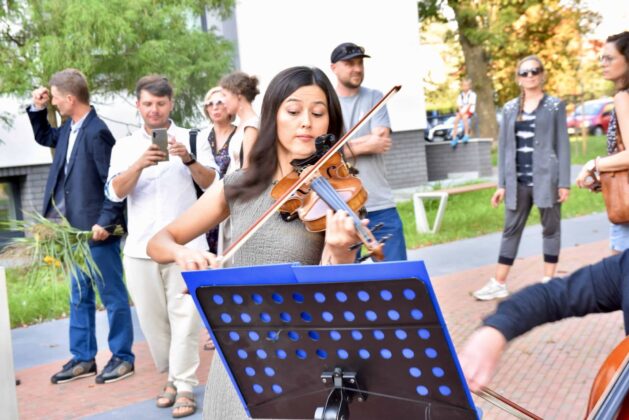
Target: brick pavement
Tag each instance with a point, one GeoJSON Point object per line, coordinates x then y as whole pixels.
{"type": "Point", "coordinates": [549, 371]}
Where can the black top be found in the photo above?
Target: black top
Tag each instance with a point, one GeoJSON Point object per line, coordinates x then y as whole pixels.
{"type": "Point", "coordinates": [597, 288]}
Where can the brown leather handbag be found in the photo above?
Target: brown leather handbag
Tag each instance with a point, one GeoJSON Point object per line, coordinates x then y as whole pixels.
{"type": "Point", "coordinates": [615, 187]}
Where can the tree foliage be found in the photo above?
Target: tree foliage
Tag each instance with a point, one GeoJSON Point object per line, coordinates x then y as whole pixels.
{"type": "Point", "coordinates": [114, 43]}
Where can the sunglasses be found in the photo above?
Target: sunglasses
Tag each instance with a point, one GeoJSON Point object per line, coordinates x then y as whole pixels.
{"type": "Point", "coordinates": [212, 103]}
{"type": "Point", "coordinates": [532, 72]}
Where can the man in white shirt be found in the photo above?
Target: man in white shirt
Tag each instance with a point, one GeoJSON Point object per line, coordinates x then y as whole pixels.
{"type": "Point", "coordinates": [157, 192]}
{"type": "Point", "coordinates": [466, 107]}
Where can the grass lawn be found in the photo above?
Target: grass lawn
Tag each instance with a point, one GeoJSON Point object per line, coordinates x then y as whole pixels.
{"type": "Point", "coordinates": [470, 214]}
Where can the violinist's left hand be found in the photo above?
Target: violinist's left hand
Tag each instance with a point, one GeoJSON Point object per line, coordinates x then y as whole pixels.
{"type": "Point", "coordinates": [340, 234]}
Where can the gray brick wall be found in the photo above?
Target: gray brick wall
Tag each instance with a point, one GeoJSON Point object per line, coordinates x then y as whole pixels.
{"type": "Point", "coordinates": [406, 160]}
{"type": "Point", "coordinates": [31, 181]}
{"type": "Point", "coordinates": [475, 156]}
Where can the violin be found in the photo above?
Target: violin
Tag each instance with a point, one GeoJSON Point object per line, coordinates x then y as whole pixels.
{"type": "Point", "coordinates": [334, 187]}
{"type": "Point", "coordinates": [305, 177]}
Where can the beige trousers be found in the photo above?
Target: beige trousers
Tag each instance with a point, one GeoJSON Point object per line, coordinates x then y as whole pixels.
{"type": "Point", "coordinates": [169, 320]}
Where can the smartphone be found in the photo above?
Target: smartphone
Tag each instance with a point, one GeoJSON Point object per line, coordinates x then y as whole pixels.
{"type": "Point", "coordinates": [160, 138]}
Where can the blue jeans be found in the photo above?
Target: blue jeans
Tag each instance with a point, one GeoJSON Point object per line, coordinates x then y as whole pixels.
{"type": "Point", "coordinates": [113, 294]}
{"type": "Point", "coordinates": [395, 247]}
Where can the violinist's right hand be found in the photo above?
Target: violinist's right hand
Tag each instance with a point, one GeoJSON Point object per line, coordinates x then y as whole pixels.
{"type": "Point", "coordinates": [192, 259]}
{"type": "Point", "coordinates": [497, 198]}
{"type": "Point", "coordinates": [480, 355]}
{"type": "Point", "coordinates": [150, 157]}
{"type": "Point", "coordinates": [41, 96]}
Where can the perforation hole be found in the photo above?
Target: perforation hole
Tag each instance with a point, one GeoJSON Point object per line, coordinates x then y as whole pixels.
{"type": "Point", "coordinates": [445, 390]}
{"type": "Point", "coordinates": [363, 296]}
{"type": "Point", "coordinates": [234, 336]}
{"type": "Point", "coordinates": [415, 372]}
{"type": "Point", "coordinates": [265, 317]}
{"type": "Point", "coordinates": [319, 297]}
{"type": "Point", "coordinates": [408, 353]}
{"type": "Point", "coordinates": [349, 316]}
{"type": "Point", "coordinates": [257, 299]}
{"type": "Point", "coordinates": [301, 353]}
{"type": "Point", "coordinates": [378, 335]}
{"type": "Point", "coordinates": [401, 334]}
{"type": "Point", "coordinates": [357, 335]}
{"type": "Point", "coordinates": [371, 315]}
{"type": "Point", "coordinates": [277, 389]}
{"type": "Point", "coordinates": [277, 298]}
{"type": "Point", "coordinates": [393, 315]}
{"type": "Point", "coordinates": [269, 371]}
{"type": "Point", "coordinates": [281, 354]}
{"type": "Point", "coordinates": [431, 353]}
{"type": "Point", "coordinates": [364, 354]}
{"type": "Point", "coordinates": [422, 390]}
{"type": "Point", "coordinates": [242, 354]}
{"type": "Point", "coordinates": [342, 353]}
{"type": "Point", "coordinates": [298, 297]}
{"type": "Point", "coordinates": [226, 318]}
{"type": "Point", "coordinates": [409, 294]}
{"type": "Point", "coordinates": [285, 317]}
{"type": "Point", "coordinates": [424, 334]}
{"type": "Point", "coordinates": [314, 335]}
{"type": "Point", "coordinates": [335, 335]}
{"type": "Point", "coordinates": [322, 354]}
{"type": "Point", "coordinates": [341, 297]}
{"type": "Point", "coordinates": [250, 371]}
{"type": "Point", "coordinates": [246, 318]}
{"type": "Point", "coordinates": [416, 314]}
{"type": "Point", "coordinates": [237, 299]}
{"type": "Point", "coordinates": [306, 317]}
{"type": "Point", "coordinates": [327, 316]}
{"type": "Point", "coordinates": [218, 299]}
{"type": "Point", "coordinates": [254, 336]}
{"type": "Point", "coordinates": [386, 353]}
{"type": "Point", "coordinates": [386, 295]}
{"type": "Point", "coordinates": [261, 354]}
{"type": "Point", "coordinates": [294, 336]}
{"type": "Point", "coordinates": [258, 389]}
{"type": "Point", "coordinates": [272, 336]}
{"type": "Point", "coordinates": [438, 372]}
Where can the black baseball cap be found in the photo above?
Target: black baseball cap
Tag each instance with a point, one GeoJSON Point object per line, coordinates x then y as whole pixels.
{"type": "Point", "coordinates": [346, 51]}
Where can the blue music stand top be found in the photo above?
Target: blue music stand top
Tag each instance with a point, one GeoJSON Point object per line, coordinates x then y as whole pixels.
{"type": "Point", "coordinates": [277, 328]}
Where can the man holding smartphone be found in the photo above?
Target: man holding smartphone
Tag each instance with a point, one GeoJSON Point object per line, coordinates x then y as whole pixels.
{"type": "Point", "coordinates": [158, 191]}
{"type": "Point", "coordinates": [74, 190]}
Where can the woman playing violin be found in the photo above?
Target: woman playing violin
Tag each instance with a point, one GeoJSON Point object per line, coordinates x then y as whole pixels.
{"type": "Point", "coordinates": [300, 104]}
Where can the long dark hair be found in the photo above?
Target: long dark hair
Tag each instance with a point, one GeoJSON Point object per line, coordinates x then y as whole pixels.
{"type": "Point", "coordinates": [621, 43]}
{"type": "Point", "coordinates": [263, 159]}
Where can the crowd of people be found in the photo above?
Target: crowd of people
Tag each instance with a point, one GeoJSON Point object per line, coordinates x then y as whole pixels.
{"type": "Point", "coordinates": [96, 180]}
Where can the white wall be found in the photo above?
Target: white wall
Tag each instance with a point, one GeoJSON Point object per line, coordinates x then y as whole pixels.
{"type": "Point", "coordinates": [276, 34]}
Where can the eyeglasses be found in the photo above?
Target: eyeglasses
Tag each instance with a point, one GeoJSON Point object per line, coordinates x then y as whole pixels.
{"type": "Point", "coordinates": [531, 72]}
{"type": "Point", "coordinates": [212, 103]}
{"type": "Point", "coordinates": [606, 59]}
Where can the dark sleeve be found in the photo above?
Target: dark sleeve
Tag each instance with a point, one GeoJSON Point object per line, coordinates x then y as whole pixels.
{"type": "Point", "coordinates": [111, 213]}
{"type": "Point", "coordinates": [44, 133]}
{"type": "Point", "coordinates": [595, 288]}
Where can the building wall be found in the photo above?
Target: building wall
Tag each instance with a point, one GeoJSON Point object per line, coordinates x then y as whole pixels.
{"type": "Point", "coordinates": [31, 182]}
{"type": "Point", "coordinates": [443, 161]}
{"type": "Point", "coordinates": [406, 160]}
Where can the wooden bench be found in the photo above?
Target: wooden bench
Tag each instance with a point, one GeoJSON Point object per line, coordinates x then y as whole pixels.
{"type": "Point", "coordinates": [421, 219]}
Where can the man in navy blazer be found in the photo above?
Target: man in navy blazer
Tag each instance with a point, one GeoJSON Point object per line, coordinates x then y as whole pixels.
{"type": "Point", "coordinates": [75, 190]}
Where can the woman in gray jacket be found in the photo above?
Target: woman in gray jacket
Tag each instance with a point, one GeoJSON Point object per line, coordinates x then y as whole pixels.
{"type": "Point", "coordinates": [533, 168]}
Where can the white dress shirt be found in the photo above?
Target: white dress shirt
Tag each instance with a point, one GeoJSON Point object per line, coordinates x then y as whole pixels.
{"type": "Point", "coordinates": [162, 193]}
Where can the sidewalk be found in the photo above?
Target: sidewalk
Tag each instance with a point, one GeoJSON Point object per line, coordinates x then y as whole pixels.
{"type": "Point", "coordinates": [549, 371]}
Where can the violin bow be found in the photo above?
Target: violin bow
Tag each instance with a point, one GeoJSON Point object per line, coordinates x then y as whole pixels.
{"type": "Point", "coordinates": [506, 405]}
{"type": "Point", "coordinates": [304, 179]}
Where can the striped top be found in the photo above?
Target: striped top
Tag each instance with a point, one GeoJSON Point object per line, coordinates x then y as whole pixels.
{"type": "Point", "coordinates": [525, 141]}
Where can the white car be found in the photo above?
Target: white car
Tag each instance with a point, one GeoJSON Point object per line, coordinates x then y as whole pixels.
{"type": "Point", "coordinates": [441, 132]}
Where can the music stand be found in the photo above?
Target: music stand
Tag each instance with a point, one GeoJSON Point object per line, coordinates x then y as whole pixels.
{"type": "Point", "coordinates": [303, 341]}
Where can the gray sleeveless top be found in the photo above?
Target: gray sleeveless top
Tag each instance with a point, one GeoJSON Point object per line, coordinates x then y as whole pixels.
{"type": "Point", "coordinates": [275, 242]}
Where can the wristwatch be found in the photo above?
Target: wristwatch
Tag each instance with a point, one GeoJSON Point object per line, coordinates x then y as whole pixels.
{"type": "Point", "coordinates": [193, 159]}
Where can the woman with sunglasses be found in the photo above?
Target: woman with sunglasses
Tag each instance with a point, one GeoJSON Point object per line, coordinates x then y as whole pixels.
{"type": "Point", "coordinates": [615, 66]}
{"type": "Point", "coordinates": [533, 168]}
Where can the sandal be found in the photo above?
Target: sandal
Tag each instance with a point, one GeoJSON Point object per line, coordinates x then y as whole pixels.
{"type": "Point", "coordinates": [191, 403]}
{"type": "Point", "coordinates": [169, 395]}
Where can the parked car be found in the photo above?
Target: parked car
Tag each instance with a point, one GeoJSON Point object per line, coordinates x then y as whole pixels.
{"type": "Point", "coordinates": [441, 132]}
{"type": "Point", "coordinates": [593, 115]}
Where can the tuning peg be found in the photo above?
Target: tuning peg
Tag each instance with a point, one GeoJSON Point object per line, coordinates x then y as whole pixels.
{"type": "Point", "coordinates": [355, 246]}
{"type": "Point", "coordinates": [364, 257]}
{"type": "Point", "coordinates": [385, 238]}
{"type": "Point", "coordinates": [377, 227]}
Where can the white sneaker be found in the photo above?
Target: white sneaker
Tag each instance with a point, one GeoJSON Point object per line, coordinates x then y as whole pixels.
{"type": "Point", "coordinates": [492, 290]}
{"type": "Point", "coordinates": [546, 279]}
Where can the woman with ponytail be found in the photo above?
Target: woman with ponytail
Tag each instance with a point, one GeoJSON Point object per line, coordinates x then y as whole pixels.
{"type": "Point", "coordinates": [615, 66]}
{"type": "Point", "coordinates": [533, 168]}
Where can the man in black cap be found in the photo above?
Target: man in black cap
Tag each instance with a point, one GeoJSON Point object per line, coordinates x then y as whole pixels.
{"type": "Point", "coordinates": [368, 145]}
